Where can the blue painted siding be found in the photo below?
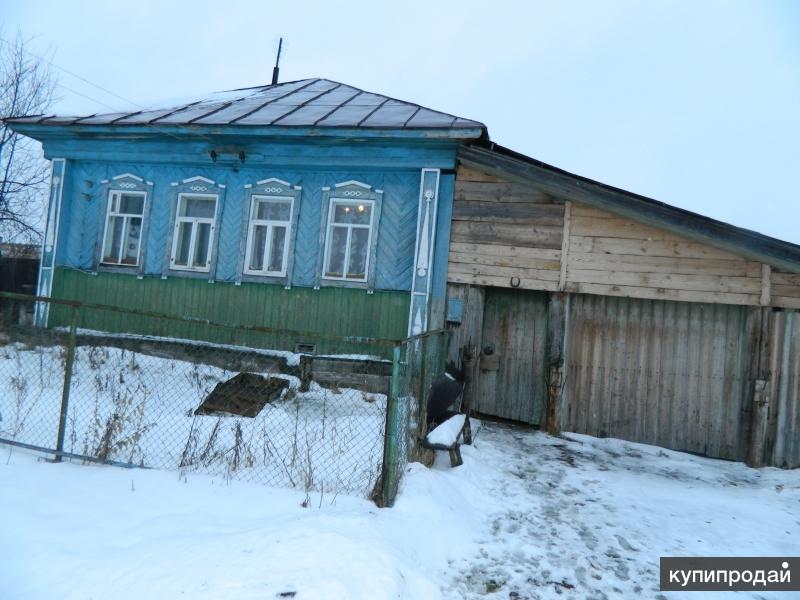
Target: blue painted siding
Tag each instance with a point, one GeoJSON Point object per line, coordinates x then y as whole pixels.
{"type": "Point", "coordinates": [85, 204]}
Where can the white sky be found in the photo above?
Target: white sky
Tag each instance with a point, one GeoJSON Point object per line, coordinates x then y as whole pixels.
{"type": "Point", "coordinates": [692, 103]}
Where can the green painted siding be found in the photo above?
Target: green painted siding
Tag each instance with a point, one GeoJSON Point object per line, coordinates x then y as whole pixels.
{"type": "Point", "coordinates": [329, 310]}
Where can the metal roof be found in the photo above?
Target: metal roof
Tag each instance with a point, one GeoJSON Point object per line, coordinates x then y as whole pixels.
{"type": "Point", "coordinates": [305, 103]}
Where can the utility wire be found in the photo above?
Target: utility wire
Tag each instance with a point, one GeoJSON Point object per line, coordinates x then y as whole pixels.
{"type": "Point", "coordinates": [68, 72]}
{"type": "Point", "coordinates": [153, 126]}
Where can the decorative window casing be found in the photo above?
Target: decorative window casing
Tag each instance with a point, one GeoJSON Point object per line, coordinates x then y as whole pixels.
{"type": "Point", "coordinates": [270, 224]}
{"type": "Point", "coordinates": [349, 235]}
{"type": "Point", "coordinates": [193, 236]}
{"type": "Point", "coordinates": [196, 210]}
{"type": "Point", "coordinates": [348, 239]}
{"type": "Point", "coordinates": [122, 241]}
{"type": "Point", "coordinates": [124, 221]}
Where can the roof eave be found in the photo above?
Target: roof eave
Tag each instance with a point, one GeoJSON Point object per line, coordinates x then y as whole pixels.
{"type": "Point", "coordinates": [42, 132]}
{"type": "Point", "coordinates": [743, 242]}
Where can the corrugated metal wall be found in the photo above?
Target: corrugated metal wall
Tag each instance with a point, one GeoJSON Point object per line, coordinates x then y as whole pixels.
{"type": "Point", "coordinates": [783, 425]}
{"type": "Point", "coordinates": [674, 374]}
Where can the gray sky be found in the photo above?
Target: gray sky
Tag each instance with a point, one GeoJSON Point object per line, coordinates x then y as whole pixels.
{"type": "Point", "coordinates": [693, 103]}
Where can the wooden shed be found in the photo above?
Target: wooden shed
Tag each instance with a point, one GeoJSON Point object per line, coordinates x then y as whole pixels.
{"type": "Point", "coordinates": [594, 310]}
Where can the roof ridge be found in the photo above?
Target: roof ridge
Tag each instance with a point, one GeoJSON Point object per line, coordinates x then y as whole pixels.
{"type": "Point", "coordinates": [260, 106]}
{"type": "Point", "coordinates": [268, 85]}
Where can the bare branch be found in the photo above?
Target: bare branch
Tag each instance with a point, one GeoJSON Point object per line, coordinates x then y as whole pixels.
{"type": "Point", "coordinates": [27, 86]}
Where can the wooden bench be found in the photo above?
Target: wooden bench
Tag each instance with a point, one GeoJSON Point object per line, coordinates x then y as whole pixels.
{"type": "Point", "coordinates": [449, 436]}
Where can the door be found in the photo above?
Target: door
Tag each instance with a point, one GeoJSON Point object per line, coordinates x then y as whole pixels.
{"type": "Point", "coordinates": [513, 363]}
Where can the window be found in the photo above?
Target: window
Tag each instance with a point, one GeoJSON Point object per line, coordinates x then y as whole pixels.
{"type": "Point", "coordinates": [268, 235]}
{"type": "Point", "coordinates": [348, 238]}
{"type": "Point", "coordinates": [122, 238]}
{"type": "Point", "coordinates": [195, 222]}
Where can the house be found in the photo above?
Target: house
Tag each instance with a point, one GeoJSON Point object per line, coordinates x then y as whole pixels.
{"type": "Point", "coordinates": [315, 206]}
{"type": "Point", "coordinates": [309, 205]}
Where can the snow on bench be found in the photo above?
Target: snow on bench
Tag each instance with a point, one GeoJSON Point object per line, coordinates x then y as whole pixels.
{"type": "Point", "coordinates": [446, 437]}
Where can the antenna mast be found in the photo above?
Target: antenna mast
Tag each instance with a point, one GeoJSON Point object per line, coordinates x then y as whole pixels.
{"type": "Point", "coordinates": [276, 69]}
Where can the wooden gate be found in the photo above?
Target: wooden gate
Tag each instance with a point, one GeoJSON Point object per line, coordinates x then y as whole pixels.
{"type": "Point", "coordinates": [513, 362]}
{"type": "Point", "coordinates": [673, 374]}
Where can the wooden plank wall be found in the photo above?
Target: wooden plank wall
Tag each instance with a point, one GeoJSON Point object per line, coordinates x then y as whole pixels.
{"type": "Point", "coordinates": [785, 289]}
{"type": "Point", "coordinates": [503, 230]}
{"type": "Point", "coordinates": [783, 391]}
{"type": "Point", "coordinates": [616, 257]}
{"type": "Point", "coordinates": [511, 235]}
{"type": "Point", "coordinates": [673, 374]}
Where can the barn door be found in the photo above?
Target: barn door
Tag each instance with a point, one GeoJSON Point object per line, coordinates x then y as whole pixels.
{"type": "Point", "coordinates": [512, 363]}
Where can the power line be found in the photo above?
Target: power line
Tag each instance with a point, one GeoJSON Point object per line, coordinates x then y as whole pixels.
{"type": "Point", "coordinates": [68, 72]}
{"type": "Point", "coordinates": [153, 126]}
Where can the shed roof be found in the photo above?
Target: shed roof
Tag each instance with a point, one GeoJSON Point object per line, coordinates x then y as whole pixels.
{"type": "Point", "coordinates": [317, 103]}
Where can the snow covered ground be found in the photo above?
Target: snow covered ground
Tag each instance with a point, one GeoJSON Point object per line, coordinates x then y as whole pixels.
{"type": "Point", "coordinates": [139, 409]}
{"type": "Point", "coordinates": [526, 516]}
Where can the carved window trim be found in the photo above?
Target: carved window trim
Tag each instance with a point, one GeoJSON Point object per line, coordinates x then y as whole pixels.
{"type": "Point", "coordinates": [197, 186]}
{"type": "Point", "coordinates": [124, 183]}
{"type": "Point", "coordinates": [271, 187]}
{"type": "Point", "coordinates": [349, 191]}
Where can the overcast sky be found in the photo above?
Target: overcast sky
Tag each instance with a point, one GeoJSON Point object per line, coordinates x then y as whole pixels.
{"type": "Point", "coordinates": [694, 103]}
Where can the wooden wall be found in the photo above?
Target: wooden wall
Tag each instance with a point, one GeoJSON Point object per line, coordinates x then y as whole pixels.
{"type": "Point", "coordinates": [673, 374]}
{"type": "Point", "coordinates": [502, 230]}
{"type": "Point", "coordinates": [511, 235]}
{"type": "Point", "coordinates": [783, 391]}
{"type": "Point", "coordinates": [785, 289]}
{"type": "Point", "coordinates": [612, 256]}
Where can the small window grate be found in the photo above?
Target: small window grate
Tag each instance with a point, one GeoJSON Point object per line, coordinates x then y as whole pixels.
{"type": "Point", "coordinates": [305, 348]}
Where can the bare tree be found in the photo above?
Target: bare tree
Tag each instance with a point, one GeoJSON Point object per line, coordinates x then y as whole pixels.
{"type": "Point", "coordinates": [27, 87]}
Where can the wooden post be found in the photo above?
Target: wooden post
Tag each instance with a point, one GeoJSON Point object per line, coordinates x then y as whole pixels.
{"type": "Point", "coordinates": [556, 334]}
{"type": "Point", "coordinates": [562, 277]}
{"type": "Point", "coordinates": [471, 338]}
{"type": "Point", "coordinates": [306, 367]}
{"type": "Point", "coordinates": [759, 416]}
{"type": "Point", "coordinates": [469, 354]}
{"type": "Point", "coordinates": [766, 285]}
{"type": "Point", "coordinates": [68, 365]}
{"type": "Point", "coordinates": [390, 477]}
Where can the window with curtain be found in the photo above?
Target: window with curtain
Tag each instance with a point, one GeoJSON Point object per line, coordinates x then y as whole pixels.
{"type": "Point", "coordinates": [195, 222]}
{"type": "Point", "coordinates": [268, 232]}
{"type": "Point", "coordinates": [348, 239]}
{"type": "Point", "coordinates": [122, 238]}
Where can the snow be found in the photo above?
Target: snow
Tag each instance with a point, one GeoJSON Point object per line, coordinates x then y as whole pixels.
{"type": "Point", "coordinates": [447, 432]}
{"type": "Point", "coordinates": [291, 358]}
{"type": "Point", "coordinates": [527, 516]}
{"type": "Point", "coordinates": [139, 409]}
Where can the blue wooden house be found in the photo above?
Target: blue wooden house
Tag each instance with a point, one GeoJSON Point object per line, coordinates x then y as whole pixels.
{"type": "Point", "coordinates": [316, 207]}
{"type": "Point", "coordinates": [308, 205]}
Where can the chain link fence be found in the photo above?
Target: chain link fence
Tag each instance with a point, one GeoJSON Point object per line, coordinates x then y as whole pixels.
{"type": "Point", "coordinates": [416, 363]}
{"type": "Point", "coordinates": [345, 419]}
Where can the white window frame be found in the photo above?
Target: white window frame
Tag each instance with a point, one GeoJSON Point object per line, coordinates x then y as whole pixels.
{"type": "Point", "coordinates": [270, 224]}
{"type": "Point", "coordinates": [126, 223]}
{"type": "Point", "coordinates": [194, 221]}
{"type": "Point", "coordinates": [350, 226]}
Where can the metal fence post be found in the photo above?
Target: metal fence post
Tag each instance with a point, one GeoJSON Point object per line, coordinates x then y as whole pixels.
{"type": "Point", "coordinates": [390, 478]}
{"type": "Point", "coordinates": [68, 364]}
